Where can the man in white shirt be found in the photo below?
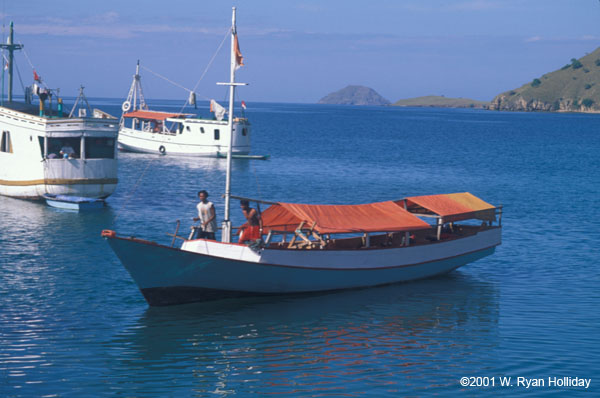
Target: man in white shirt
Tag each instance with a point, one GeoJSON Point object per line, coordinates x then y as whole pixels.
{"type": "Point", "coordinates": [207, 217]}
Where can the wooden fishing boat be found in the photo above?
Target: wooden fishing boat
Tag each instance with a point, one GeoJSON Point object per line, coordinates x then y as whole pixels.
{"type": "Point", "coordinates": [310, 248]}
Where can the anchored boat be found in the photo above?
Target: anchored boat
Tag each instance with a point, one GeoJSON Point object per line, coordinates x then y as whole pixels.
{"type": "Point", "coordinates": [47, 151]}
{"type": "Point", "coordinates": [182, 134]}
{"type": "Point", "coordinates": [309, 248]}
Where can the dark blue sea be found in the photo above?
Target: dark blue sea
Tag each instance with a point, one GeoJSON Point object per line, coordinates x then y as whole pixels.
{"type": "Point", "coordinates": [73, 323]}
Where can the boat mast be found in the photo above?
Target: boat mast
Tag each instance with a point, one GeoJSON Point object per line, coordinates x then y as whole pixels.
{"type": "Point", "coordinates": [135, 93]}
{"type": "Point", "coordinates": [226, 231]}
{"type": "Point", "coordinates": [11, 48]}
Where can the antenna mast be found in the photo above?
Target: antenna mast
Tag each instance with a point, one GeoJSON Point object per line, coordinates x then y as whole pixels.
{"type": "Point", "coordinates": [11, 47]}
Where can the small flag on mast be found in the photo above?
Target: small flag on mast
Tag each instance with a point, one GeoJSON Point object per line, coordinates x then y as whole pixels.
{"type": "Point", "coordinates": [243, 104]}
{"type": "Point", "coordinates": [36, 77]}
{"type": "Point", "coordinates": [239, 59]}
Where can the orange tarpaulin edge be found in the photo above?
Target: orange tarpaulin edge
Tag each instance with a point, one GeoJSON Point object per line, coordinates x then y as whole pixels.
{"type": "Point", "coordinates": [372, 217]}
{"type": "Point", "coordinates": [454, 206]}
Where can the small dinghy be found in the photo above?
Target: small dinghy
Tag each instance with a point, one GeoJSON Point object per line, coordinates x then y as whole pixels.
{"type": "Point", "coordinates": [222, 155]}
{"type": "Point", "coordinates": [73, 202]}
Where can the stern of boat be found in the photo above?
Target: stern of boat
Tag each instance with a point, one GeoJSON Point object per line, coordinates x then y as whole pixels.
{"type": "Point", "coordinates": [90, 178]}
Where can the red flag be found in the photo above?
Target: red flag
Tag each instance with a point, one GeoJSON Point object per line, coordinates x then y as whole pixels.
{"type": "Point", "coordinates": [36, 77]}
{"type": "Point", "coordinates": [239, 59]}
{"type": "Point", "coordinates": [244, 104]}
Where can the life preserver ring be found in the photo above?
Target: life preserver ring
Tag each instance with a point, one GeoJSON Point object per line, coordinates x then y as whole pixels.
{"type": "Point", "coordinates": [162, 150]}
{"type": "Point", "coordinates": [126, 106]}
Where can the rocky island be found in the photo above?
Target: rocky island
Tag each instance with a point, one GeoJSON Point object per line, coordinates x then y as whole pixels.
{"type": "Point", "coordinates": [573, 88]}
{"type": "Point", "coordinates": [354, 95]}
{"type": "Point", "coordinates": [439, 101]}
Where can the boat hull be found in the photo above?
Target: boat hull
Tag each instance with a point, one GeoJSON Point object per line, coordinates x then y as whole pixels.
{"type": "Point", "coordinates": [169, 276]}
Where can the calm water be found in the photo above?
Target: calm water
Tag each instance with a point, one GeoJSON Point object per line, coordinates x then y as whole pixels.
{"type": "Point", "coordinates": [72, 322]}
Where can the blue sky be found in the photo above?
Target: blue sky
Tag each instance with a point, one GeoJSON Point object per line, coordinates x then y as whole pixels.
{"type": "Point", "coordinates": [299, 51]}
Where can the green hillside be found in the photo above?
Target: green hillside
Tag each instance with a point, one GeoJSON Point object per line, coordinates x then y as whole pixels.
{"type": "Point", "coordinates": [442, 102]}
{"type": "Point", "coordinates": [573, 88]}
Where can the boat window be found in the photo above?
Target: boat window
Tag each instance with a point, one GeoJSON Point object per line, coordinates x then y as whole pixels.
{"type": "Point", "coordinates": [202, 130]}
{"type": "Point", "coordinates": [99, 148]}
{"type": "Point", "coordinates": [41, 140]}
{"type": "Point", "coordinates": [6, 144]}
{"type": "Point", "coordinates": [244, 131]}
{"type": "Point", "coordinates": [187, 128]}
{"type": "Point", "coordinates": [64, 147]}
{"type": "Point", "coordinates": [217, 134]}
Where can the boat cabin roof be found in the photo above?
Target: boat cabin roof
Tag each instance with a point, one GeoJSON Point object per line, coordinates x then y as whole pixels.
{"type": "Point", "coordinates": [451, 207]}
{"type": "Point", "coordinates": [155, 115]}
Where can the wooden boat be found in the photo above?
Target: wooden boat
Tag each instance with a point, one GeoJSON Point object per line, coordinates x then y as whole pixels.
{"type": "Point", "coordinates": [33, 138]}
{"type": "Point", "coordinates": [73, 202]}
{"type": "Point", "coordinates": [310, 248]}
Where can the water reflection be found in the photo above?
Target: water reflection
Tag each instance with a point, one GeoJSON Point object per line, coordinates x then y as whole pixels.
{"type": "Point", "coordinates": [380, 339]}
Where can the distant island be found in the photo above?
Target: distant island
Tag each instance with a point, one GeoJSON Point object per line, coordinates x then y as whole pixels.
{"type": "Point", "coordinates": [573, 88]}
{"type": "Point", "coordinates": [440, 101]}
{"type": "Point", "coordinates": [354, 95]}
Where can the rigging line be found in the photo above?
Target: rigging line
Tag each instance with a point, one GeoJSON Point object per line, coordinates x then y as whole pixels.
{"type": "Point", "coordinates": [165, 78]}
{"type": "Point", "coordinates": [19, 74]}
{"type": "Point", "coordinates": [26, 56]}
{"type": "Point", "coordinates": [30, 63]}
{"type": "Point", "coordinates": [208, 67]}
{"type": "Point", "coordinates": [256, 179]}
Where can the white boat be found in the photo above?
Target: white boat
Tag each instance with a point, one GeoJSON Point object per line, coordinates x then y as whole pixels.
{"type": "Point", "coordinates": [311, 248]}
{"type": "Point", "coordinates": [31, 139]}
{"type": "Point", "coordinates": [180, 134]}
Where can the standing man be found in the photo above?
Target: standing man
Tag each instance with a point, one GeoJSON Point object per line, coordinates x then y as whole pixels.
{"type": "Point", "coordinates": [253, 231]}
{"type": "Point", "coordinates": [207, 217]}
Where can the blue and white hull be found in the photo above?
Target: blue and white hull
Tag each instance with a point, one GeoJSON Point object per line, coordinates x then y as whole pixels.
{"type": "Point", "coordinates": [207, 270]}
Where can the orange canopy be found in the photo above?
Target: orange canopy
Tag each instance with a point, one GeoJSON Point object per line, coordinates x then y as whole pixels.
{"type": "Point", "coordinates": [153, 115]}
{"type": "Point", "coordinates": [372, 217]}
{"type": "Point", "coordinates": [453, 206]}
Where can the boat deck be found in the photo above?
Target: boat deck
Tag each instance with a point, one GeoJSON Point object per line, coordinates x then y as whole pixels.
{"type": "Point", "coordinates": [389, 240]}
